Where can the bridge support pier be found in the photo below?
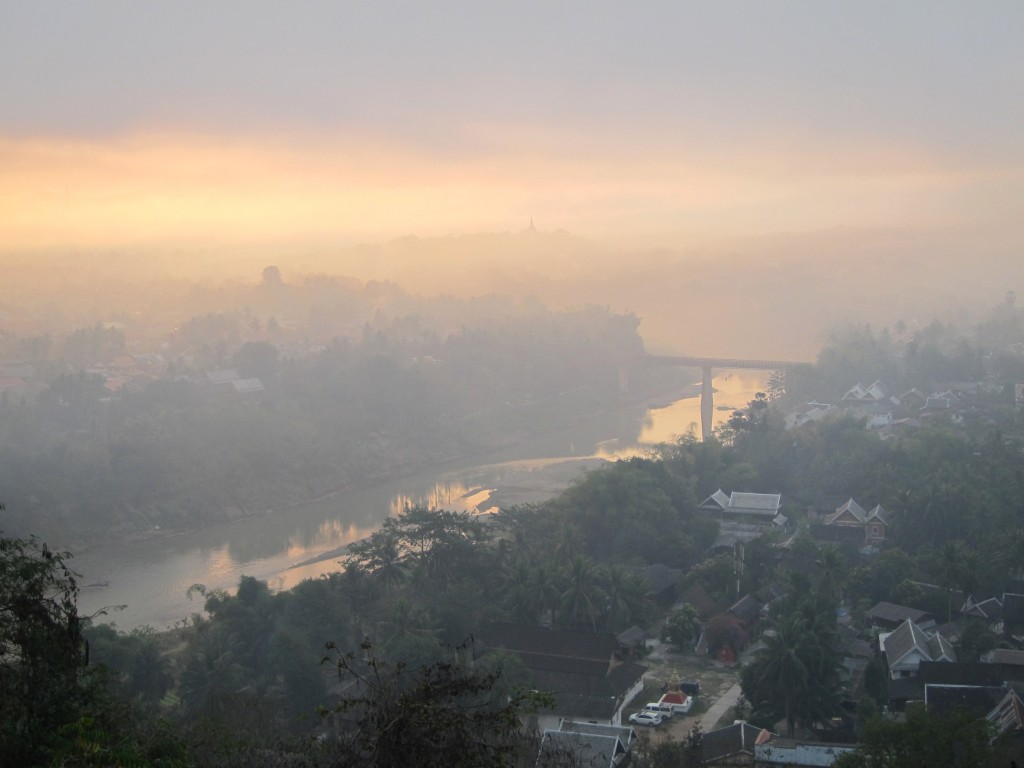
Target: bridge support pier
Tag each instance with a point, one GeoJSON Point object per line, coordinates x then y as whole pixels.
{"type": "Point", "coordinates": [707, 403]}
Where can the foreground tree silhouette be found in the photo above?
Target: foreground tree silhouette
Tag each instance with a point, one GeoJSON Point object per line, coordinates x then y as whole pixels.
{"type": "Point", "coordinates": [41, 647]}
{"type": "Point", "coordinates": [445, 714]}
{"type": "Point", "coordinates": [55, 709]}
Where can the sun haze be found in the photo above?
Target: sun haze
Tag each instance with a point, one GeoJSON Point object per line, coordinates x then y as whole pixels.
{"type": "Point", "coordinates": [344, 122]}
{"type": "Point", "coordinates": [866, 146]}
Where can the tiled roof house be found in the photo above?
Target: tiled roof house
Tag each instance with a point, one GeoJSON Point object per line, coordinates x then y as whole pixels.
{"type": "Point", "coordinates": [908, 645]}
{"type": "Point", "coordinates": [585, 671]}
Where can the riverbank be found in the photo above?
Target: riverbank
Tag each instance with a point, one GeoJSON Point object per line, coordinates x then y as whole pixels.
{"type": "Point", "coordinates": [544, 483]}
{"type": "Point", "coordinates": [152, 575]}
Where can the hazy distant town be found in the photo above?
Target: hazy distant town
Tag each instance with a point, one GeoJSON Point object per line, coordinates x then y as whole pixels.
{"type": "Point", "coordinates": [833, 557]}
{"type": "Point", "coordinates": [533, 385]}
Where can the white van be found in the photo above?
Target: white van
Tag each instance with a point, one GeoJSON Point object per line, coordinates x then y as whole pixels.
{"type": "Point", "coordinates": [665, 710]}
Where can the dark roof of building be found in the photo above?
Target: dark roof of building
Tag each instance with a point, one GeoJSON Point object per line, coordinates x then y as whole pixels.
{"type": "Point", "coordinates": [730, 740]}
{"type": "Point", "coordinates": [632, 637]}
{"type": "Point", "coordinates": [1013, 608]}
{"type": "Point", "coordinates": [979, 700]}
{"type": "Point", "coordinates": [838, 534]}
{"type": "Point", "coordinates": [581, 677]}
{"type": "Point", "coordinates": [623, 676]}
{"type": "Point", "coordinates": [761, 504]}
{"type": "Point", "coordinates": [855, 671]}
{"type": "Point", "coordinates": [950, 631]}
{"type": "Point", "coordinates": [905, 689]}
{"type": "Point", "coordinates": [717, 500]}
{"type": "Point", "coordinates": [551, 642]}
{"type": "Point", "coordinates": [587, 749]}
{"type": "Point", "coordinates": [893, 613]}
{"type": "Point", "coordinates": [698, 597]}
{"type": "Point", "coordinates": [625, 733]}
{"type": "Point", "coordinates": [877, 514]}
{"type": "Point", "coordinates": [1006, 656]}
{"type": "Point", "coordinates": [954, 596]}
{"type": "Point", "coordinates": [901, 641]}
{"type": "Point", "coordinates": [791, 753]}
{"type": "Point", "coordinates": [583, 707]}
{"type": "Point", "coordinates": [959, 673]}
{"type": "Point", "coordinates": [856, 646]}
{"type": "Point", "coordinates": [990, 609]}
{"type": "Point", "coordinates": [1015, 587]}
{"type": "Point", "coordinates": [914, 394]}
{"type": "Point", "coordinates": [580, 668]}
{"type": "Point", "coordinates": [746, 609]}
{"type": "Point", "coordinates": [563, 665]}
{"type": "Point", "coordinates": [660, 578]}
{"type": "Point", "coordinates": [850, 509]}
{"type": "Point", "coordinates": [940, 648]}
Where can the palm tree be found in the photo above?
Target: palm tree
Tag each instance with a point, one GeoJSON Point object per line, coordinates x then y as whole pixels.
{"type": "Point", "coordinates": [950, 569]}
{"type": "Point", "coordinates": [519, 593]}
{"type": "Point", "coordinates": [616, 588]}
{"type": "Point", "coordinates": [624, 594]}
{"type": "Point", "coordinates": [150, 672]}
{"type": "Point", "coordinates": [831, 573]}
{"type": "Point", "coordinates": [795, 675]}
{"type": "Point", "coordinates": [784, 668]}
{"type": "Point", "coordinates": [404, 620]}
{"type": "Point", "coordinates": [385, 559]}
{"type": "Point", "coordinates": [545, 587]}
{"type": "Point", "coordinates": [212, 676]}
{"type": "Point", "coordinates": [579, 599]}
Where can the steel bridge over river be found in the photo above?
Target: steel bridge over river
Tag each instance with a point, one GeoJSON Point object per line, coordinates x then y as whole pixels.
{"type": "Point", "coordinates": [707, 364]}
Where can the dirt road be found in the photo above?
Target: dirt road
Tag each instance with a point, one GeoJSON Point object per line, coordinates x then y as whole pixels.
{"type": "Point", "coordinates": [720, 689]}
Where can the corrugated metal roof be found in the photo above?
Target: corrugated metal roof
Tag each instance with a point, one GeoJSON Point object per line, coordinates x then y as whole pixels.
{"type": "Point", "coordinates": [756, 501]}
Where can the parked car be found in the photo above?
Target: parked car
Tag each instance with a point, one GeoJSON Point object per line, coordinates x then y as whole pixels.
{"type": "Point", "coordinates": [645, 718]}
{"type": "Point", "coordinates": [665, 710]}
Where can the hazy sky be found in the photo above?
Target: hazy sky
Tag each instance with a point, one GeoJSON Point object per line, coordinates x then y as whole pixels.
{"type": "Point", "coordinates": [140, 122]}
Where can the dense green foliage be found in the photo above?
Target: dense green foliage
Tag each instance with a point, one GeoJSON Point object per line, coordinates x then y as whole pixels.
{"type": "Point", "coordinates": [442, 714]}
{"type": "Point", "coordinates": [41, 649]}
{"type": "Point", "coordinates": [55, 709]}
{"type": "Point", "coordinates": [957, 739]}
{"type": "Point", "coordinates": [795, 677]}
{"type": "Point", "coordinates": [241, 680]}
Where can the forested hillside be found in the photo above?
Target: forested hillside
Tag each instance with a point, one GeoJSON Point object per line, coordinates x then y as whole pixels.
{"type": "Point", "coordinates": [236, 682]}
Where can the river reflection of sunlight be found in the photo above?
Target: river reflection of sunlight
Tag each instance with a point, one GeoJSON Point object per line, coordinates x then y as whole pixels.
{"type": "Point", "coordinates": [152, 577]}
{"type": "Point", "coordinates": [451, 495]}
{"type": "Point", "coordinates": [733, 389]}
{"type": "Point", "coordinates": [328, 534]}
{"type": "Point", "coordinates": [221, 565]}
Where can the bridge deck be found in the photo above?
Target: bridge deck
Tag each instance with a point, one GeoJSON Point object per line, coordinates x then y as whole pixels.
{"type": "Point", "coordinates": [722, 362]}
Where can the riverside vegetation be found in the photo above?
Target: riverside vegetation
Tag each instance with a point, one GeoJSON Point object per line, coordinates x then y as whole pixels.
{"type": "Point", "coordinates": [241, 682]}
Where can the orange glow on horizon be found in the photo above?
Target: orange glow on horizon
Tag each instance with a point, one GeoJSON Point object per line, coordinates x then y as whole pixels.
{"type": "Point", "coordinates": [62, 192]}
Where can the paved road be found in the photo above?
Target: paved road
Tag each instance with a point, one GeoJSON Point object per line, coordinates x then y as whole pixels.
{"type": "Point", "coordinates": [718, 710]}
{"type": "Point", "coordinates": [718, 715]}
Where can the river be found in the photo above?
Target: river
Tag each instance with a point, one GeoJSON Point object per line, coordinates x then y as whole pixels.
{"type": "Point", "coordinates": [150, 578]}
